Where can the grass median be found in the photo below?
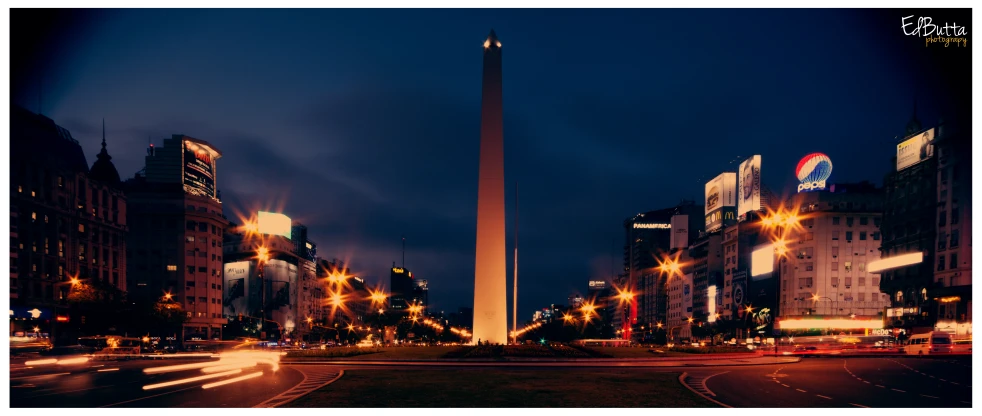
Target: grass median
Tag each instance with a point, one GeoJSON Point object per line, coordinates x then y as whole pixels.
{"type": "Point", "coordinates": [503, 388]}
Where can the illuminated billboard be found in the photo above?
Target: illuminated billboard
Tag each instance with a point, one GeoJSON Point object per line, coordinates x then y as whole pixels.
{"type": "Point", "coordinates": [199, 169]}
{"type": "Point", "coordinates": [762, 262]}
{"type": "Point", "coordinates": [655, 226]}
{"type": "Point", "coordinates": [711, 302]}
{"type": "Point", "coordinates": [748, 198]}
{"type": "Point", "coordinates": [812, 171]}
{"type": "Point", "coordinates": [895, 261]}
{"type": "Point", "coordinates": [915, 149]}
{"type": "Point", "coordinates": [236, 277]}
{"type": "Point", "coordinates": [680, 231]}
{"type": "Point", "coordinates": [275, 224]}
{"type": "Point", "coordinates": [720, 201]}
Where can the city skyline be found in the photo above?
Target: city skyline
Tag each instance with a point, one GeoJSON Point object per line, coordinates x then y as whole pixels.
{"type": "Point", "coordinates": [587, 154]}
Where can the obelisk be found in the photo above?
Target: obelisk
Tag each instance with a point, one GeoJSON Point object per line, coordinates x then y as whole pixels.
{"type": "Point", "coordinates": [490, 275]}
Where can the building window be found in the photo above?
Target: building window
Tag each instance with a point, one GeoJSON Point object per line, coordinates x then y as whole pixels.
{"type": "Point", "coordinates": [942, 240]}
{"type": "Point", "coordinates": [190, 283]}
{"type": "Point", "coordinates": [862, 281]}
{"type": "Point", "coordinates": [835, 235]}
{"type": "Point", "coordinates": [876, 236]}
{"type": "Point", "coordinates": [190, 269]}
{"type": "Point", "coordinates": [848, 282]}
{"type": "Point", "coordinates": [900, 296]}
{"type": "Point", "coordinates": [863, 221]}
{"type": "Point", "coordinates": [203, 269]}
{"type": "Point", "coordinates": [848, 267]}
{"type": "Point", "coordinates": [876, 282]}
{"type": "Point", "coordinates": [954, 238]}
{"type": "Point", "coordinates": [172, 267]}
{"type": "Point", "coordinates": [954, 261]}
{"type": "Point", "coordinates": [848, 236]}
{"type": "Point", "coordinates": [940, 263]}
{"type": "Point", "coordinates": [923, 293]}
{"type": "Point", "coordinates": [942, 219]}
{"type": "Point", "coordinates": [835, 266]}
{"type": "Point", "coordinates": [190, 239]}
{"type": "Point", "coordinates": [203, 227]}
{"type": "Point", "coordinates": [848, 221]}
{"type": "Point", "coordinates": [191, 225]}
{"type": "Point", "coordinates": [954, 216]}
{"type": "Point", "coordinates": [862, 235]}
{"type": "Point", "coordinates": [835, 220]}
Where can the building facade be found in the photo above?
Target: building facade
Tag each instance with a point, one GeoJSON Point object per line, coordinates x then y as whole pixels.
{"type": "Point", "coordinates": [66, 221]}
{"type": "Point", "coordinates": [826, 269]}
{"type": "Point", "coordinates": [176, 233]}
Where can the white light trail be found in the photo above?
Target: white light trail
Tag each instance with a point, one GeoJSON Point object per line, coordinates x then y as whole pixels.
{"type": "Point", "coordinates": [190, 380]}
{"type": "Point", "coordinates": [895, 261]}
{"type": "Point", "coordinates": [107, 369]}
{"type": "Point", "coordinates": [76, 360]}
{"type": "Point", "coordinates": [232, 380]}
{"type": "Point", "coordinates": [42, 362]}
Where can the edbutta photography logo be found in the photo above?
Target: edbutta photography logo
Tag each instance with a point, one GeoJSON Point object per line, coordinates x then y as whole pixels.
{"type": "Point", "coordinates": [924, 26]}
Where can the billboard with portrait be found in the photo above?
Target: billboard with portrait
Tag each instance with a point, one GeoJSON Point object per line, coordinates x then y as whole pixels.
{"type": "Point", "coordinates": [748, 198]}
{"type": "Point", "coordinates": [199, 169]}
{"type": "Point", "coordinates": [281, 289]}
{"type": "Point", "coordinates": [720, 201]}
{"type": "Point", "coordinates": [915, 149]}
{"type": "Point", "coordinates": [236, 286]}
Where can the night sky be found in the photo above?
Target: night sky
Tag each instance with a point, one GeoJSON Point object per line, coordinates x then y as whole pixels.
{"type": "Point", "coordinates": [364, 124]}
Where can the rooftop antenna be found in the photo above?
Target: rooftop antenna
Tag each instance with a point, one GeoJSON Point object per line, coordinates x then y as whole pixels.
{"type": "Point", "coordinates": [404, 251]}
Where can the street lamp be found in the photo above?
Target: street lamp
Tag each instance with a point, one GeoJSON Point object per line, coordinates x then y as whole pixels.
{"type": "Point", "coordinates": [262, 256]}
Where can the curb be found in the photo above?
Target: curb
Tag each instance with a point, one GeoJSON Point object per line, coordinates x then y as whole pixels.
{"type": "Point", "coordinates": [267, 403]}
{"type": "Point", "coordinates": [682, 378]}
{"type": "Point", "coordinates": [541, 363]}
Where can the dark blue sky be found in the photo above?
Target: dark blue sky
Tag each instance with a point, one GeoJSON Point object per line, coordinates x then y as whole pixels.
{"type": "Point", "coordinates": [364, 124]}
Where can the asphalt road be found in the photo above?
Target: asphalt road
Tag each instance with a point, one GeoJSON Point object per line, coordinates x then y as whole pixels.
{"type": "Point", "coordinates": [889, 382]}
{"type": "Point", "coordinates": [120, 384]}
{"type": "Point", "coordinates": [813, 382]}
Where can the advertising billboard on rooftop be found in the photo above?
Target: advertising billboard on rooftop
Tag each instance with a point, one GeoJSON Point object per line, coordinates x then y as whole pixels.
{"type": "Point", "coordinates": [720, 201]}
{"type": "Point", "coordinates": [275, 224]}
{"type": "Point", "coordinates": [199, 169]}
{"type": "Point", "coordinates": [749, 187]}
{"type": "Point", "coordinates": [915, 149]}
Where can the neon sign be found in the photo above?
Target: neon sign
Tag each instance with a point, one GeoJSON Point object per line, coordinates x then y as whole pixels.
{"type": "Point", "coordinates": [656, 226]}
{"type": "Point", "coordinates": [812, 171]}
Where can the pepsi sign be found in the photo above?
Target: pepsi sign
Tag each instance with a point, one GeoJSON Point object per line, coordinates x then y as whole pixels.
{"type": "Point", "coordinates": [813, 170]}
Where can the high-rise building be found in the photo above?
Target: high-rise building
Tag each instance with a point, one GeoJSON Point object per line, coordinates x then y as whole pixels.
{"type": "Point", "coordinates": [176, 233]}
{"type": "Point", "coordinates": [66, 221]}
{"type": "Point", "coordinates": [952, 289]}
{"type": "Point", "coordinates": [649, 237]}
{"type": "Point", "coordinates": [401, 288]}
{"type": "Point", "coordinates": [304, 247]}
{"type": "Point", "coordinates": [421, 293]}
{"type": "Point", "coordinates": [490, 275]}
{"type": "Point", "coordinates": [910, 215]}
{"type": "Point", "coordinates": [927, 231]}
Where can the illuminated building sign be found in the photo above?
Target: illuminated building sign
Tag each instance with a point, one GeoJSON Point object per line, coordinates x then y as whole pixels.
{"type": "Point", "coordinates": [813, 170]}
{"type": "Point", "coordinates": [654, 226]}
{"type": "Point", "coordinates": [721, 201]}
{"type": "Point", "coordinates": [275, 224]}
{"type": "Point", "coordinates": [711, 302]}
{"type": "Point", "coordinates": [398, 270]}
{"type": "Point", "coordinates": [762, 261]}
{"type": "Point", "coordinates": [915, 150]}
{"type": "Point", "coordinates": [598, 284]}
{"type": "Point", "coordinates": [802, 323]}
{"type": "Point", "coordinates": [895, 261]}
{"type": "Point", "coordinates": [199, 169]}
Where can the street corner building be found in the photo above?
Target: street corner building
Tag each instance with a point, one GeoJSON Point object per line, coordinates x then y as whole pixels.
{"type": "Point", "coordinates": [490, 275]}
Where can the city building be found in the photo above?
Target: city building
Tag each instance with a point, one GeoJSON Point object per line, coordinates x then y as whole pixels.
{"type": "Point", "coordinates": [421, 293]}
{"type": "Point", "coordinates": [304, 247]}
{"type": "Point", "coordinates": [401, 288]}
{"type": "Point", "coordinates": [176, 233]}
{"type": "Point", "coordinates": [927, 232]}
{"type": "Point", "coordinates": [66, 221]}
{"type": "Point", "coordinates": [825, 270]}
{"type": "Point", "coordinates": [952, 289]}
{"type": "Point", "coordinates": [679, 310]}
{"type": "Point", "coordinates": [288, 294]}
{"type": "Point", "coordinates": [910, 231]}
{"type": "Point", "coordinates": [649, 237]}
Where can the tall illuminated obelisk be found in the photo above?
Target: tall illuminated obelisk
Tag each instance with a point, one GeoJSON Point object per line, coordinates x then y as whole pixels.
{"type": "Point", "coordinates": [490, 275]}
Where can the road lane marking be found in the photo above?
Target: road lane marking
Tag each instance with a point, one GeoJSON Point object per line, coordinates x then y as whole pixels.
{"type": "Point", "coordinates": [682, 379]}
{"type": "Point", "coordinates": [785, 385]}
{"type": "Point", "coordinates": [41, 375]}
{"type": "Point", "coordinates": [929, 396]}
{"type": "Point", "coordinates": [147, 397]}
{"type": "Point", "coordinates": [877, 385]}
{"type": "Point", "coordinates": [107, 369]}
{"type": "Point", "coordinates": [942, 379]}
{"type": "Point", "coordinates": [801, 390]}
{"type": "Point", "coordinates": [898, 390]}
{"type": "Point", "coordinates": [859, 405]}
{"type": "Point", "coordinates": [231, 380]}
{"type": "Point", "coordinates": [864, 381]}
{"type": "Point", "coordinates": [952, 382]}
{"type": "Point", "coordinates": [824, 397]}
